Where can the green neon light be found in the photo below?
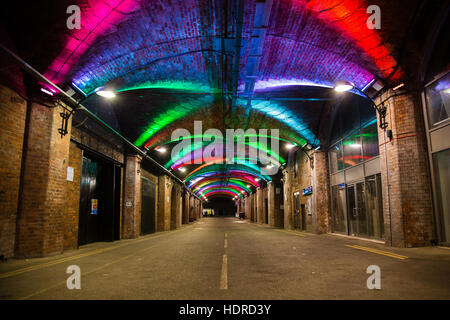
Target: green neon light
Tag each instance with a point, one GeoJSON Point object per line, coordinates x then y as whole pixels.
{"type": "Point", "coordinates": [164, 119]}
{"type": "Point", "coordinates": [173, 85]}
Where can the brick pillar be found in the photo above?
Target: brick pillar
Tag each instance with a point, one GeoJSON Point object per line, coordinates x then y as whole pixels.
{"type": "Point", "coordinates": [40, 223]}
{"type": "Point", "coordinates": [131, 221]}
{"type": "Point", "coordinates": [197, 208]}
{"type": "Point", "coordinates": [287, 200]}
{"type": "Point", "coordinates": [177, 201]}
{"type": "Point", "coordinates": [13, 110]}
{"type": "Point", "coordinates": [271, 203]}
{"type": "Point", "coordinates": [186, 207]}
{"type": "Point", "coordinates": [164, 205]}
{"type": "Point", "coordinates": [321, 192]}
{"type": "Point", "coordinates": [405, 177]}
{"type": "Point", "coordinates": [191, 208]}
{"type": "Point", "coordinates": [259, 205]}
{"type": "Point", "coordinates": [246, 208]}
{"type": "Point", "coordinates": [252, 200]}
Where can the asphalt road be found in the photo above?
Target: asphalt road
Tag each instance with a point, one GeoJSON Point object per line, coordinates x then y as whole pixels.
{"type": "Point", "coordinates": [226, 258]}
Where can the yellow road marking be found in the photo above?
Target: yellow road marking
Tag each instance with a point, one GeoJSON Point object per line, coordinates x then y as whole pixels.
{"type": "Point", "coordinates": [79, 256]}
{"type": "Point", "coordinates": [83, 274]}
{"type": "Point", "coordinates": [385, 253]}
{"type": "Point", "coordinates": [294, 233]}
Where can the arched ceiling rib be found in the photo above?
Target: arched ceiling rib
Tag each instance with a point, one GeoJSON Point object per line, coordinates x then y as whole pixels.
{"type": "Point", "coordinates": [171, 62]}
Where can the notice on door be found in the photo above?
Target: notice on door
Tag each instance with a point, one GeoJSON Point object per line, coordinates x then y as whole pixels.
{"type": "Point", "coordinates": [94, 206]}
{"type": "Point", "coordinates": [69, 173]}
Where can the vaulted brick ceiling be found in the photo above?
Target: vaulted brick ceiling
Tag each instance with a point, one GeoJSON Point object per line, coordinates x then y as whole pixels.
{"type": "Point", "coordinates": [173, 62]}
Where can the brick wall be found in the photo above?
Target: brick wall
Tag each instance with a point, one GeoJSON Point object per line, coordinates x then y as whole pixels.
{"type": "Point", "coordinates": [287, 200]}
{"type": "Point", "coordinates": [303, 180]}
{"type": "Point", "coordinates": [259, 205]}
{"type": "Point", "coordinates": [131, 218]}
{"type": "Point", "coordinates": [407, 199]}
{"type": "Point", "coordinates": [175, 206]}
{"type": "Point", "coordinates": [42, 201]}
{"type": "Point", "coordinates": [12, 123]}
{"type": "Point", "coordinates": [98, 144]}
{"type": "Point", "coordinates": [71, 217]}
{"type": "Point", "coordinates": [164, 205]}
{"type": "Point", "coordinates": [321, 193]}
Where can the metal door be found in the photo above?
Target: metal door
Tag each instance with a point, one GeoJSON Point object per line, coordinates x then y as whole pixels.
{"type": "Point", "coordinates": [148, 206]}
{"type": "Point", "coordinates": [90, 203]}
{"type": "Point", "coordinates": [303, 216]}
{"type": "Point", "coordinates": [297, 210]}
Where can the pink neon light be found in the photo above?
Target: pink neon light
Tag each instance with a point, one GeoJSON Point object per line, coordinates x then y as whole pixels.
{"type": "Point", "coordinates": [98, 18]}
{"type": "Point", "coordinates": [219, 191]}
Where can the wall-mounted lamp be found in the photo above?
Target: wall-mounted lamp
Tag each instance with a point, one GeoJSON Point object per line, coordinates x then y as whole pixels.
{"type": "Point", "coordinates": [343, 86]}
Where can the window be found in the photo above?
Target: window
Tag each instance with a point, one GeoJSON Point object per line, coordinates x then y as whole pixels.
{"type": "Point", "coordinates": [336, 158]}
{"type": "Point", "coordinates": [370, 141]}
{"type": "Point", "coordinates": [352, 150]}
{"type": "Point", "coordinates": [339, 209]}
{"type": "Point", "coordinates": [438, 100]}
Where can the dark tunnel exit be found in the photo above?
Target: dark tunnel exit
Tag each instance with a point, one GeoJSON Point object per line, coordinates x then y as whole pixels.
{"type": "Point", "coordinates": [221, 207]}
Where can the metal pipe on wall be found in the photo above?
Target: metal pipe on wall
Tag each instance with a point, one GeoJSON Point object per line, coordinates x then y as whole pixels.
{"type": "Point", "coordinates": [75, 104]}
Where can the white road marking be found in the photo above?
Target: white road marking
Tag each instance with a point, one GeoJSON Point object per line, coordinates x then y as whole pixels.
{"type": "Point", "coordinates": [225, 244]}
{"type": "Point", "coordinates": [224, 275]}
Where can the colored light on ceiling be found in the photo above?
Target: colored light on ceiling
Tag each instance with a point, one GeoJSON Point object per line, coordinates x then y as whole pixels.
{"type": "Point", "coordinates": [350, 18]}
{"type": "Point", "coordinates": [212, 169]}
{"type": "Point", "coordinates": [284, 115]}
{"type": "Point", "coordinates": [274, 83]}
{"type": "Point", "coordinates": [220, 191]}
{"type": "Point", "coordinates": [97, 19]}
{"type": "Point", "coordinates": [183, 86]}
{"type": "Point", "coordinates": [191, 155]}
{"type": "Point", "coordinates": [166, 118]}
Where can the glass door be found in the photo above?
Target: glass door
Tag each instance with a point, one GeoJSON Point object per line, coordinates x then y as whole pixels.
{"type": "Point", "coordinates": [361, 210]}
{"type": "Point", "coordinates": [351, 206]}
{"type": "Point", "coordinates": [356, 210]}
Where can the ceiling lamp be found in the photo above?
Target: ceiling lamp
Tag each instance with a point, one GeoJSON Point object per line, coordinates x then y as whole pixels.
{"type": "Point", "coordinates": [343, 86]}
{"type": "Point", "coordinates": [47, 91]}
{"type": "Point", "coordinates": [108, 94]}
{"type": "Point", "coordinates": [161, 149]}
{"type": "Point", "coordinates": [290, 146]}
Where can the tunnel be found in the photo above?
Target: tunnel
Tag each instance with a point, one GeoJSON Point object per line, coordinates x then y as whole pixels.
{"type": "Point", "coordinates": [225, 149]}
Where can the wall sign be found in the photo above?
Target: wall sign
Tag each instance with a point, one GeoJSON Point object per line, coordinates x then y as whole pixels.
{"type": "Point", "coordinates": [307, 191]}
{"type": "Point", "coordinates": [94, 206]}
{"type": "Point", "coordinates": [69, 173]}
